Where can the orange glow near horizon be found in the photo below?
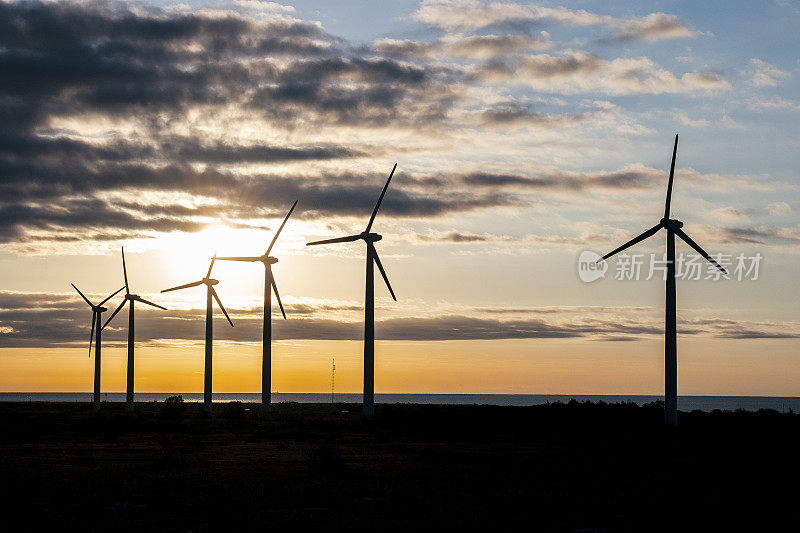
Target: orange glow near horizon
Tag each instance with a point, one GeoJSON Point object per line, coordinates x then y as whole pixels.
{"type": "Point", "coordinates": [506, 367]}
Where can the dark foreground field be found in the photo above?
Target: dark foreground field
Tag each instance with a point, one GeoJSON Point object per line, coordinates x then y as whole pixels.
{"type": "Point", "coordinates": [323, 468]}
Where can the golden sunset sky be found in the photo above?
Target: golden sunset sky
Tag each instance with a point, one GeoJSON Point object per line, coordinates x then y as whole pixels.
{"type": "Point", "coordinates": [525, 134]}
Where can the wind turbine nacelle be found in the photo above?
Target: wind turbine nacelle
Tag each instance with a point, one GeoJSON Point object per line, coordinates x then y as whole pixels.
{"type": "Point", "coordinates": [371, 237]}
{"type": "Point", "coordinates": [671, 223]}
{"type": "Point", "coordinates": [269, 260]}
{"type": "Point", "coordinates": [100, 309]}
{"type": "Point", "coordinates": [209, 281]}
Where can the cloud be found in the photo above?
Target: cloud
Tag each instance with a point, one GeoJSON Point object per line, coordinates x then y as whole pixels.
{"type": "Point", "coordinates": [759, 235]}
{"type": "Point", "coordinates": [578, 71]}
{"type": "Point", "coordinates": [41, 319]}
{"type": "Point", "coordinates": [732, 329]}
{"type": "Point", "coordinates": [403, 48]}
{"type": "Point", "coordinates": [772, 103]}
{"type": "Point", "coordinates": [653, 27]}
{"type": "Point", "coordinates": [264, 195]}
{"type": "Point", "coordinates": [457, 237]}
{"type": "Point", "coordinates": [512, 113]}
{"type": "Point", "coordinates": [168, 76]}
{"type": "Point", "coordinates": [728, 213]}
{"type": "Point", "coordinates": [635, 177]}
{"type": "Point", "coordinates": [763, 74]}
{"type": "Point", "coordinates": [119, 122]}
{"type": "Point", "coordinates": [486, 46]}
{"type": "Point", "coordinates": [460, 237]}
{"type": "Point", "coordinates": [471, 15]}
{"type": "Point", "coordinates": [779, 209]}
{"type": "Point", "coordinates": [455, 15]}
{"type": "Point", "coordinates": [74, 200]}
{"type": "Point", "coordinates": [686, 120]}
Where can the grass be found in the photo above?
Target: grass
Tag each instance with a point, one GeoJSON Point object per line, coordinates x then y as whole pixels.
{"type": "Point", "coordinates": [575, 467]}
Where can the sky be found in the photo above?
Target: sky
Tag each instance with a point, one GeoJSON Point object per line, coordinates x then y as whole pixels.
{"type": "Point", "coordinates": [525, 134]}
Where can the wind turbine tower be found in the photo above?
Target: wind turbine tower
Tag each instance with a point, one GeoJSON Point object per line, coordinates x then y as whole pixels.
{"type": "Point", "coordinates": [210, 293]}
{"type": "Point", "coordinates": [97, 311]}
{"type": "Point", "coordinates": [266, 335]}
{"type": "Point", "coordinates": [369, 301]}
{"type": "Point", "coordinates": [129, 299]}
{"type": "Point", "coordinates": [673, 227]}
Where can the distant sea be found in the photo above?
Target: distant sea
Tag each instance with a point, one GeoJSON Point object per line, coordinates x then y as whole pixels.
{"type": "Point", "coordinates": [685, 403]}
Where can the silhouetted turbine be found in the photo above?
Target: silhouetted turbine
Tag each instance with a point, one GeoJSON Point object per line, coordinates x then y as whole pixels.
{"type": "Point", "coordinates": [673, 228]}
{"type": "Point", "coordinates": [129, 298]}
{"type": "Point", "coordinates": [266, 335]}
{"type": "Point", "coordinates": [97, 311]}
{"type": "Point", "coordinates": [210, 292]}
{"type": "Point", "coordinates": [369, 301]}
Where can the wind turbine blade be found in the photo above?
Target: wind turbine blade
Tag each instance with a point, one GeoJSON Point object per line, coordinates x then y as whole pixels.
{"type": "Point", "coordinates": [91, 335]}
{"type": "Point", "coordinates": [150, 303]}
{"type": "Point", "coordinates": [275, 238]}
{"type": "Point", "coordinates": [383, 272]}
{"type": "Point", "coordinates": [277, 296]}
{"type": "Point", "coordinates": [248, 259]}
{"type": "Point", "coordinates": [697, 248]}
{"type": "Point", "coordinates": [219, 303]}
{"type": "Point", "coordinates": [82, 296]}
{"type": "Point", "coordinates": [188, 285]}
{"type": "Point", "coordinates": [211, 265]}
{"type": "Point", "coordinates": [115, 293]}
{"type": "Point", "coordinates": [633, 241]}
{"type": "Point", "coordinates": [125, 272]}
{"type": "Point", "coordinates": [380, 199]}
{"type": "Point", "coordinates": [115, 313]}
{"type": "Point", "coordinates": [671, 175]}
{"type": "Point", "coordinates": [350, 238]}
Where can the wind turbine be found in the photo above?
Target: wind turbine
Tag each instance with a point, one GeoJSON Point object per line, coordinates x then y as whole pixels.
{"type": "Point", "coordinates": [132, 298]}
{"type": "Point", "coordinates": [97, 311]}
{"type": "Point", "coordinates": [266, 336]}
{"type": "Point", "coordinates": [369, 301]}
{"type": "Point", "coordinates": [209, 283]}
{"type": "Point", "coordinates": [673, 228]}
